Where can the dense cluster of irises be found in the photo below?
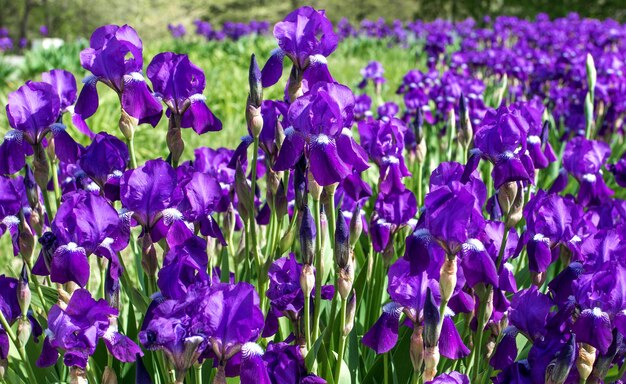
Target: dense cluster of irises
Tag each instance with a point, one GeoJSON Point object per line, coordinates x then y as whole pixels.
{"type": "Point", "coordinates": [473, 234]}
{"type": "Point", "coordinates": [230, 30]}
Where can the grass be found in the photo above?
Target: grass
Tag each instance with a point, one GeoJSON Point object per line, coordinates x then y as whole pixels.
{"type": "Point", "coordinates": [225, 65]}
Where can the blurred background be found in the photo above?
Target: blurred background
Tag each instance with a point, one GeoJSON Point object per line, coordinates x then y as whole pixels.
{"type": "Point", "coordinates": [75, 18]}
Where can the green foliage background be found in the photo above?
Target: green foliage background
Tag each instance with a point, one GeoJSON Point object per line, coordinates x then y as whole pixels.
{"type": "Point", "coordinates": [73, 18]}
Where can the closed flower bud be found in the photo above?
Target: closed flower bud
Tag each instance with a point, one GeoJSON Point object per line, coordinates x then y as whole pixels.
{"type": "Point", "coordinates": [585, 360]}
{"type": "Point", "coordinates": [174, 139]}
{"type": "Point", "coordinates": [294, 87]}
{"type": "Point", "coordinates": [273, 180]}
{"type": "Point", "coordinates": [420, 152]}
{"type": "Point", "coordinates": [280, 204]}
{"type": "Point", "coordinates": [23, 291]}
{"type": "Point", "coordinates": [345, 279]}
{"type": "Point", "coordinates": [323, 227]}
{"type": "Point", "coordinates": [342, 247]}
{"type": "Point", "coordinates": [300, 183]}
{"type": "Point", "coordinates": [108, 376]}
{"type": "Point", "coordinates": [388, 253]}
{"type": "Point", "coordinates": [30, 185]}
{"type": "Point", "coordinates": [511, 200]}
{"type": "Point", "coordinates": [603, 361]}
{"type": "Point", "coordinates": [307, 236]}
{"type": "Point", "coordinates": [447, 278]}
{"type": "Point", "coordinates": [314, 188]}
{"type": "Point", "coordinates": [559, 368]}
{"type": "Point", "coordinates": [418, 126]}
{"type": "Point", "coordinates": [537, 278]}
{"type": "Point", "coordinates": [591, 72]}
{"type": "Point", "coordinates": [149, 260]}
{"type": "Point", "coordinates": [127, 125]}
{"type": "Point", "coordinates": [41, 169]}
{"type": "Point", "coordinates": [26, 240]}
{"type": "Point", "coordinates": [4, 364]}
{"type": "Point", "coordinates": [465, 129]}
{"type": "Point", "coordinates": [416, 350]}
{"type": "Point", "coordinates": [350, 313]}
{"type": "Point", "coordinates": [24, 330]}
{"type": "Point", "coordinates": [111, 289]}
{"type": "Point", "coordinates": [356, 225]}
{"type": "Point", "coordinates": [431, 360]}
{"type": "Point", "coordinates": [78, 376]}
{"type": "Point", "coordinates": [254, 120]}
{"type": "Point", "coordinates": [254, 81]}
{"type": "Point", "coordinates": [287, 240]}
{"type": "Point", "coordinates": [431, 321]}
{"type": "Point", "coordinates": [307, 280]}
{"type": "Point", "coordinates": [280, 135]}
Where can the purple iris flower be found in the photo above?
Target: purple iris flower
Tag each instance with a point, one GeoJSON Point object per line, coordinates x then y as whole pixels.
{"type": "Point", "coordinates": [362, 106]}
{"type": "Point", "coordinates": [551, 221]}
{"type": "Point", "coordinates": [619, 171]}
{"type": "Point", "coordinates": [85, 224]}
{"type": "Point", "coordinates": [584, 160]}
{"type": "Point", "coordinates": [65, 85]}
{"type": "Point", "coordinates": [43, 30]}
{"type": "Point", "coordinates": [114, 57]}
{"type": "Point", "coordinates": [501, 139]}
{"type": "Point", "coordinates": [180, 83]}
{"type": "Point", "coordinates": [178, 31]}
{"type": "Point", "coordinates": [285, 293]}
{"type": "Point", "coordinates": [285, 364]}
{"type": "Point", "coordinates": [34, 111]}
{"type": "Point", "coordinates": [373, 72]}
{"type": "Point", "coordinates": [105, 161]}
{"type": "Point", "coordinates": [210, 321]}
{"type": "Point", "coordinates": [10, 207]}
{"type": "Point", "coordinates": [306, 37]}
{"type": "Point", "coordinates": [77, 329]}
{"type": "Point", "coordinates": [321, 122]}
{"type": "Point", "coordinates": [409, 294]}
{"type": "Point", "coordinates": [151, 193]}
{"type": "Point", "coordinates": [539, 148]}
{"type": "Point", "coordinates": [453, 210]}
{"type": "Point", "coordinates": [384, 143]}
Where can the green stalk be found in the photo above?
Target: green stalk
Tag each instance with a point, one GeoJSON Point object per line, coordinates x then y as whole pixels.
{"type": "Point", "coordinates": [55, 181]}
{"type": "Point", "coordinates": [307, 322]}
{"type": "Point", "coordinates": [419, 183]}
{"type": "Point", "coordinates": [342, 339]}
{"type": "Point", "coordinates": [319, 271]}
{"type": "Point", "coordinates": [198, 374]}
{"type": "Point", "coordinates": [252, 226]}
{"type": "Point", "coordinates": [131, 151]}
{"type": "Point", "coordinates": [19, 346]}
{"type": "Point", "coordinates": [332, 216]}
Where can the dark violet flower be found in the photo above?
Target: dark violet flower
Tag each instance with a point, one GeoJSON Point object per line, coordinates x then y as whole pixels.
{"type": "Point", "coordinates": [253, 369]}
{"type": "Point", "coordinates": [10, 308]}
{"type": "Point", "coordinates": [551, 221]}
{"type": "Point", "coordinates": [33, 111]}
{"type": "Point", "coordinates": [85, 224]}
{"type": "Point", "coordinates": [397, 207]}
{"type": "Point", "coordinates": [105, 161]}
{"type": "Point", "coordinates": [306, 37]}
{"type": "Point", "coordinates": [177, 30]}
{"type": "Point", "coordinates": [501, 139]}
{"type": "Point", "coordinates": [114, 57]}
{"type": "Point", "coordinates": [43, 30]}
{"type": "Point", "coordinates": [362, 106]}
{"type": "Point", "coordinates": [180, 83]}
{"type": "Point", "coordinates": [285, 364]}
{"type": "Point", "coordinates": [77, 329]}
{"type": "Point", "coordinates": [373, 72]}
{"type": "Point", "coordinates": [584, 160]}
{"type": "Point", "coordinates": [10, 206]}
{"type": "Point", "coordinates": [619, 171]}
{"type": "Point", "coordinates": [529, 312]}
{"type": "Point", "coordinates": [321, 121]}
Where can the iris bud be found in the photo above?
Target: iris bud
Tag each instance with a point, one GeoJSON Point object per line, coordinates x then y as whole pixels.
{"type": "Point", "coordinates": [41, 169]}
{"type": "Point", "coordinates": [108, 376]}
{"type": "Point", "coordinates": [431, 360]}
{"type": "Point", "coordinates": [307, 280]}
{"type": "Point", "coordinates": [345, 279]}
{"type": "Point", "coordinates": [287, 240]}
{"type": "Point", "coordinates": [511, 200]}
{"type": "Point", "coordinates": [78, 376]}
{"type": "Point", "coordinates": [341, 249]}
{"type": "Point", "coordinates": [416, 350]}
{"type": "Point", "coordinates": [591, 73]}
{"type": "Point", "coordinates": [4, 364]}
{"type": "Point", "coordinates": [26, 240]}
{"type": "Point", "coordinates": [558, 369]}
{"type": "Point", "coordinates": [254, 120]}
{"type": "Point", "coordinates": [23, 291]}
{"type": "Point", "coordinates": [299, 182]}
{"type": "Point", "coordinates": [294, 86]}
{"type": "Point", "coordinates": [431, 321]}
{"type": "Point", "coordinates": [30, 184]}
{"type": "Point", "coordinates": [174, 138]}
{"type": "Point", "coordinates": [280, 204]}
{"type": "Point", "coordinates": [350, 312]}
{"type": "Point", "coordinates": [307, 236]}
{"type": "Point", "coordinates": [356, 225]}
{"type": "Point", "coordinates": [254, 81]}
{"type": "Point", "coordinates": [24, 330]}
{"type": "Point", "coordinates": [585, 360]}
{"type": "Point", "coordinates": [111, 289]}
{"type": "Point", "coordinates": [314, 188]}
{"type": "Point", "coordinates": [127, 125]}
{"type": "Point", "coordinates": [149, 255]}
{"type": "Point", "coordinates": [465, 132]}
{"type": "Point", "coordinates": [447, 278]}
{"type": "Point", "coordinates": [604, 361]}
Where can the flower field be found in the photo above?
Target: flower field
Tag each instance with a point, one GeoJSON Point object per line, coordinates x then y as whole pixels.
{"type": "Point", "coordinates": [303, 202]}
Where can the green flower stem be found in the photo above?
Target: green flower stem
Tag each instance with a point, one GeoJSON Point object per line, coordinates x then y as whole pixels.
{"type": "Point", "coordinates": [307, 322]}
{"type": "Point", "coordinates": [252, 226]}
{"type": "Point", "coordinates": [342, 339]}
{"type": "Point", "coordinates": [332, 216]}
{"type": "Point", "coordinates": [319, 270]}
{"type": "Point", "coordinates": [55, 181]}
{"type": "Point", "coordinates": [131, 151]}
